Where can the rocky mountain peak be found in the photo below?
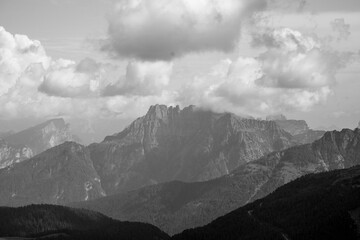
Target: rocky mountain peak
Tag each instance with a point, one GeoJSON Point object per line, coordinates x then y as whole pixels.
{"type": "Point", "coordinates": [161, 112]}
{"type": "Point", "coordinates": [294, 127]}
{"type": "Point", "coordinates": [43, 136]}
{"type": "Point", "coordinates": [188, 144]}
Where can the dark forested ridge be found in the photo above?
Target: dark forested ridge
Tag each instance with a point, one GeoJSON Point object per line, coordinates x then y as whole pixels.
{"type": "Point", "coordinates": [176, 206]}
{"type": "Point", "coordinates": [57, 222]}
{"type": "Point", "coordinates": [316, 206]}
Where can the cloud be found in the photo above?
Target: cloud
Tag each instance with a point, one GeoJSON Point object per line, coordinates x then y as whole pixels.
{"type": "Point", "coordinates": [32, 85]}
{"type": "Point", "coordinates": [86, 79]}
{"type": "Point", "coordinates": [293, 60]}
{"type": "Point", "coordinates": [341, 29]}
{"type": "Point", "coordinates": [164, 30]}
{"type": "Point", "coordinates": [17, 52]}
{"type": "Point", "coordinates": [294, 72]}
{"type": "Point", "coordinates": [89, 79]}
{"type": "Point", "coordinates": [142, 79]}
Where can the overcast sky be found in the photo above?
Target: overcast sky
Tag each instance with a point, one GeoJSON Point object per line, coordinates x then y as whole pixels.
{"type": "Point", "coordinates": [94, 62]}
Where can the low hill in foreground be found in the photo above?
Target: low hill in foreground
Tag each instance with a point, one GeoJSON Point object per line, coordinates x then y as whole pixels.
{"type": "Point", "coordinates": [57, 222]}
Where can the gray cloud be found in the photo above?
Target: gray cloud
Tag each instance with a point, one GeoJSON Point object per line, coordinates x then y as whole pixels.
{"type": "Point", "coordinates": [142, 79]}
{"type": "Point", "coordinates": [341, 29]}
{"type": "Point", "coordinates": [164, 30]}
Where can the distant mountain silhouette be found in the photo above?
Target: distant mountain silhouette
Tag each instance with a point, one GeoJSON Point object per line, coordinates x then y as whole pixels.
{"type": "Point", "coordinates": [57, 222]}
{"type": "Point", "coordinates": [309, 136]}
{"type": "Point", "coordinates": [176, 206]}
{"type": "Point", "coordinates": [43, 136]}
{"type": "Point", "coordinates": [317, 206]}
{"type": "Point", "coordinates": [59, 175]}
{"type": "Point", "coordinates": [188, 145]}
{"type": "Point", "coordinates": [299, 129]}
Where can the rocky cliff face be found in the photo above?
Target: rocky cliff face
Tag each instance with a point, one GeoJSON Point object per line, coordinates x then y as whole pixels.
{"type": "Point", "coordinates": [10, 154]}
{"type": "Point", "coordinates": [176, 206]}
{"type": "Point", "coordinates": [43, 136]}
{"type": "Point", "coordinates": [294, 127]}
{"type": "Point", "coordinates": [59, 175]}
{"type": "Point", "coordinates": [299, 129]}
{"type": "Point", "coordinates": [308, 136]}
{"type": "Point", "coordinates": [189, 145]}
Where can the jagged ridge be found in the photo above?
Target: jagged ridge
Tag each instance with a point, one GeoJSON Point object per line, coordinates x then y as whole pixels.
{"type": "Point", "coordinates": [189, 145]}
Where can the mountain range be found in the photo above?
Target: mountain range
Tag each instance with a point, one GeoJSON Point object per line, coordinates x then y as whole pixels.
{"type": "Point", "coordinates": [167, 144]}
{"type": "Point", "coordinates": [176, 206]}
{"type": "Point", "coordinates": [307, 208]}
{"type": "Point", "coordinates": [187, 145]}
{"type": "Point", "coordinates": [173, 168]}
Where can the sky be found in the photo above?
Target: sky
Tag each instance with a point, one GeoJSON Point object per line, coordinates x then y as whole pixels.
{"type": "Point", "coordinates": [101, 63]}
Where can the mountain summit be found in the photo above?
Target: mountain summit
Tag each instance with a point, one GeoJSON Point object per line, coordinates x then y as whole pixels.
{"type": "Point", "coordinates": [43, 136]}
{"type": "Point", "coordinates": [189, 144]}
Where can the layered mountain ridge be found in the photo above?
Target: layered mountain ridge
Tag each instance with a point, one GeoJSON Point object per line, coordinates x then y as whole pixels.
{"type": "Point", "coordinates": [317, 206]}
{"type": "Point", "coordinates": [188, 145]}
{"type": "Point", "coordinates": [176, 206]}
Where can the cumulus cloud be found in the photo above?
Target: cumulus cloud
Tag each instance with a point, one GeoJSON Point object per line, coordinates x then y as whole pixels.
{"type": "Point", "coordinates": [89, 79]}
{"type": "Point", "coordinates": [296, 61]}
{"type": "Point", "coordinates": [142, 79]}
{"type": "Point", "coordinates": [294, 72]}
{"type": "Point", "coordinates": [17, 52]}
{"type": "Point", "coordinates": [34, 85]}
{"type": "Point", "coordinates": [86, 79]}
{"type": "Point", "coordinates": [163, 30]}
